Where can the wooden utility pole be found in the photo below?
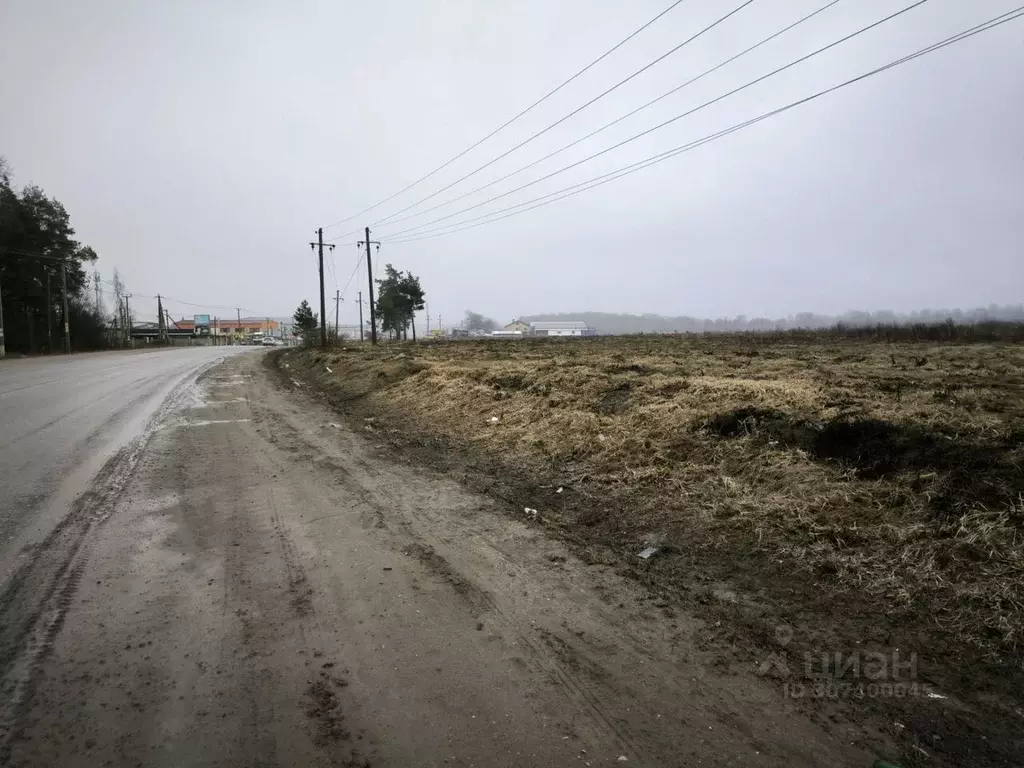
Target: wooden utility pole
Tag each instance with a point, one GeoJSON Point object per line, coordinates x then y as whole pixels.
{"type": "Point", "coordinates": [360, 317]}
{"type": "Point", "coordinates": [369, 275]}
{"type": "Point", "coordinates": [31, 329]}
{"type": "Point", "coordinates": [323, 306]}
{"type": "Point", "coordinates": [323, 303]}
{"type": "Point", "coordinates": [127, 319]}
{"type": "Point", "coordinates": [337, 301]}
{"type": "Point", "coordinates": [3, 348]}
{"type": "Point", "coordinates": [64, 301]}
{"type": "Point", "coordinates": [49, 314]}
{"type": "Point", "coordinates": [161, 328]}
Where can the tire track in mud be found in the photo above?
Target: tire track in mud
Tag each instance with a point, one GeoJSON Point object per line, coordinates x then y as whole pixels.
{"type": "Point", "coordinates": [323, 706]}
{"type": "Point", "coordinates": [549, 655]}
{"type": "Point", "coordinates": [299, 588]}
{"type": "Point", "coordinates": [39, 593]}
{"type": "Point", "coordinates": [555, 658]}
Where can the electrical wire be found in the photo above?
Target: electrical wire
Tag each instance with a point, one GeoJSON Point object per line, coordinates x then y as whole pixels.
{"type": "Point", "coordinates": [352, 276]}
{"type": "Point", "coordinates": [626, 170]}
{"type": "Point", "coordinates": [330, 264]}
{"type": "Point", "coordinates": [762, 78]}
{"type": "Point", "coordinates": [507, 123]}
{"type": "Point", "coordinates": [619, 119]}
{"type": "Point", "coordinates": [576, 111]}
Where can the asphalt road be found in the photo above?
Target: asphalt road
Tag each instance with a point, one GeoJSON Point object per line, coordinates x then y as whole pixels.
{"type": "Point", "coordinates": [206, 566]}
{"type": "Point", "coordinates": [62, 418]}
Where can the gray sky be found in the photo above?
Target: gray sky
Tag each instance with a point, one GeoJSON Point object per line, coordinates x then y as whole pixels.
{"type": "Point", "coordinates": [198, 145]}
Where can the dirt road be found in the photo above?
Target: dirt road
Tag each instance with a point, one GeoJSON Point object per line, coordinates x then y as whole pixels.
{"type": "Point", "coordinates": [261, 585]}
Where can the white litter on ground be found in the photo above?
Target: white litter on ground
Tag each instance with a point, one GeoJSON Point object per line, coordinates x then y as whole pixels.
{"type": "Point", "coordinates": [205, 423]}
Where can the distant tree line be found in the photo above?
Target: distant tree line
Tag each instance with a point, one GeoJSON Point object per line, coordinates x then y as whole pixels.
{"type": "Point", "coordinates": [36, 241]}
{"type": "Point", "coordinates": [613, 323]}
{"type": "Point", "coordinates": [991, 330]}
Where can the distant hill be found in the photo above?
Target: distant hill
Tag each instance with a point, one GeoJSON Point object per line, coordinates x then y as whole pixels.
{"type": "Point", "coordinates": [615, 323]}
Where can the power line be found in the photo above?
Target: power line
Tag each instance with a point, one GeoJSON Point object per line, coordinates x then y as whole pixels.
{"type": "Point", "coordinates": [173, 300]}
{"type": "Point", "coordinates": [673, 119]}
{"type": "Point", "coordinates": [18, 252]}
{"type": "Point", "coordinates": [352, 276]}
{"type": "Point", "coordinates": [576, 111]}
{"type": "Point", "coordinates": [626, 170]}
{"type": "Point", "coordinates": [334, 276]}
{"type": "Point", "coordinates": [506, 124]}
{"type": "Point", "coordinates": [620, 119]}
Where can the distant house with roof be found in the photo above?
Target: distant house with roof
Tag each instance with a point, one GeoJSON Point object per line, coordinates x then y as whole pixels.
{"type": "Point", "coordinates": [518, 325]}
{"type": "Point", "coordinates": [562, 328]}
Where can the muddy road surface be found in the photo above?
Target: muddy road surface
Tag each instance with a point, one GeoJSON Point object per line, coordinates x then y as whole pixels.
{"type": "Point", "coordinates": [244, 580]}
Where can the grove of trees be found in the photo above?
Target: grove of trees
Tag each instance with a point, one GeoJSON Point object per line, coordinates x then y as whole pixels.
{"type": "Point", "coordinates": [36, 241]}
{"type": "Point", "coordinates": [400, 296]}
{"type": "Point", "coordinates": [477, 322]}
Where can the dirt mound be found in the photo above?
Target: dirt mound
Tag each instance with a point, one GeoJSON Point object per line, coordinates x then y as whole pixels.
{"type": "Point", "coordinates": [614, 400]}
{"type": "Point", "coordinates": [969, 472]}
{"type": "Point", "coordinates": [958, 473]}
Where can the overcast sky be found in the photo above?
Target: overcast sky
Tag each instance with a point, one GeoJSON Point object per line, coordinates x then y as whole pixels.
{"type": "Point", "coordinates": [199, 144]}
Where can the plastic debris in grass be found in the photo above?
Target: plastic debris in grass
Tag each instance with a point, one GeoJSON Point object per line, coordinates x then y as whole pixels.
{"type": "Point", "coordinates": [494, 420]}
{"type": "Point", "coordinates": [530, 512]}
{"type": "Point", "coordinates": [648, 553]}
{"type": "Point", "coordinates": [328, 369]}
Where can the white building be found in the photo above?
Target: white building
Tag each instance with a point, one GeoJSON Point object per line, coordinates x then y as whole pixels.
{"type": "Point", "coordinates": [562, 328]}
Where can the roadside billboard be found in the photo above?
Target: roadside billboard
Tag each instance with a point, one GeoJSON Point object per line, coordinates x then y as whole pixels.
{"type": "Point", "coordinates": [201, 321]}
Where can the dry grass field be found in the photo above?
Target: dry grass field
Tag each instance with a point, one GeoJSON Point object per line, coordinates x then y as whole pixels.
{"type": "Point", "coordinates": [860, 493]}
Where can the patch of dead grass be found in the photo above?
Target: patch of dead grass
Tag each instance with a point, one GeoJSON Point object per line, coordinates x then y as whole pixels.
{"type": "Point", "coordinates": [889, 471]}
